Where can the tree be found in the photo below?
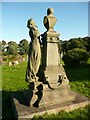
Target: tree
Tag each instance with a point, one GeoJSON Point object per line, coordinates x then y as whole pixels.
{"type": "Point", "coordinates": [12, 48]}
{"type": "Point", "coordinates": [60, 45]}
{"type": "Point", "coordinates": [23, 46]}
{"type": "Point", "coordinates": [77, 43]}
{"type": "Point", "coordinates": [86, 41]}
{"type": "Point", "coordinates": [65, 46]}
{"type": "Point", "coordinates": [3, 45]}
{"type": "Point", "coordinates": [75, 57]}
{"type": "Point", "coordinates": [0, 48]}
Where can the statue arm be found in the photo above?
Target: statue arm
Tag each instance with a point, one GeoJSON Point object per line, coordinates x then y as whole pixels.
{"type": "Point", "coordinates": [35, 32]}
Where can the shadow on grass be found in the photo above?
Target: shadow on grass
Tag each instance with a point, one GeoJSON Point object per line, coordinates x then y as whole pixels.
{"type": "Point", "coordinates": [79, 78]}
{"type": "Point", "coordinates": [23, 97]}
{"type": "Point", "coordinates": [7, 101]}
{"type": "Point", "coordinates": [79, 73]}
{"type": "Point", "coordinates": [7, 111]}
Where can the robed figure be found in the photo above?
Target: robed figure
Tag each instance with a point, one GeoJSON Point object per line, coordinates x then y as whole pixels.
{"type": "Point", "coordinates": [34, 55]}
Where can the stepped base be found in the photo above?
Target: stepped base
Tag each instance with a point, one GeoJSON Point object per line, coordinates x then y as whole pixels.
{"type": "Point", "coordinates": [52, 101]}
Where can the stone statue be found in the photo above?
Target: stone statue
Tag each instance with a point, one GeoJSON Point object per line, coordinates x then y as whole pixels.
{"type": "Point", "coordinates": [34, 56]}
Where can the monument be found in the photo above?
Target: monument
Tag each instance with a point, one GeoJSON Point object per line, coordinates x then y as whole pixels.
{"type": "Point", "coordinates": [49, 90]}
{"type": "Point", "coordinates": [54, 71]}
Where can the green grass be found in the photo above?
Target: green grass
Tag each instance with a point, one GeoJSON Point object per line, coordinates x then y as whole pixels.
{"type": "Point", "coordinates": [0, 77]}
{"type": "Point", "coordinates": [79, 114]}
{"type": "Point", "coordinates": [13, 80]}
{"type": "Point", "coordinates": [79, 79]}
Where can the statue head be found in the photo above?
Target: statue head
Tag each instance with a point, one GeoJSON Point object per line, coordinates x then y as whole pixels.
{"type": "Point", "coordinates": [31, 23]}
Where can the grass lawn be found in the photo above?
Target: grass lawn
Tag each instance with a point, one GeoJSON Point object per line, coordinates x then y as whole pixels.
{"type": "Point", "coordinates": [79, 79]}
{"type": "Point", "coordinates": [13, 80]}
{"type": "Point", "coordinates": [79, 114]}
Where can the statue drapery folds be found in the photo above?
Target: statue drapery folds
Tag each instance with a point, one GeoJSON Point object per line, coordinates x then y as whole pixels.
{"type": "Point", "coordinates": [34, 55]}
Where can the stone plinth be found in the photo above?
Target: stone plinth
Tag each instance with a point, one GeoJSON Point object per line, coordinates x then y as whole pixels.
{"type": "Point", "coordinates": [53, 101]}
{"type": "Point", "coordinates": [51, 59]}
{"type": "Point", "coordinates": [50, 52]}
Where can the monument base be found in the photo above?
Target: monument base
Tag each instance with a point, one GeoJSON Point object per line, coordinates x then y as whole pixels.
{"type": "Point", "coordinates": [53, 101]}
{"type": "Point", "coordinates": [56, 76]}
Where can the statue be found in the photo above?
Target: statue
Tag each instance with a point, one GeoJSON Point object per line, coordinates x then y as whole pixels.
{"type": "Point", "coordinates": [34, 55]}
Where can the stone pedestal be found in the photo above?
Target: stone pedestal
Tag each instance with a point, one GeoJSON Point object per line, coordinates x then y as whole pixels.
{"type": "Point", "coordinates": [50, 55]}
{"type": "Point", "coordinates": [53, 70]}
{"type": "Point", "coordinates": [53, 101]}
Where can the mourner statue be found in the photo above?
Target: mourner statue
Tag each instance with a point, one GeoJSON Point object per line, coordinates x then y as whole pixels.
{"type": "Point", "coordinates": [34, 55]}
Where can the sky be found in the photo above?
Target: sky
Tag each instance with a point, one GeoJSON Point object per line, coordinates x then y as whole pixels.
{"type": "Point", "coordinates": [72, 19]}
{"type": "Point", "coordinates": [44, 0]}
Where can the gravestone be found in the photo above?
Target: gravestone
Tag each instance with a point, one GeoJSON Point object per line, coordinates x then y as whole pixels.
{"type": "Point", "coordinates": [49, 90]}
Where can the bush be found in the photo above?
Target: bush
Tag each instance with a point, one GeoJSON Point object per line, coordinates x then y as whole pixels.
{"type": "Point", "coordinates": [75, 57]}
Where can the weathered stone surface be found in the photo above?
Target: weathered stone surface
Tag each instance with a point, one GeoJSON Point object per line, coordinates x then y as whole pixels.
{"type": "Point", "coordinates": [51, 60]}
{"type": "Point", "coordinates": [53, 70]}
{"type": "Point", "coordinates": [49, 20]}
{"type": "Point", "coordinates": [53, 102]}
{"type": "Point", "coordinates": [34, 55]}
